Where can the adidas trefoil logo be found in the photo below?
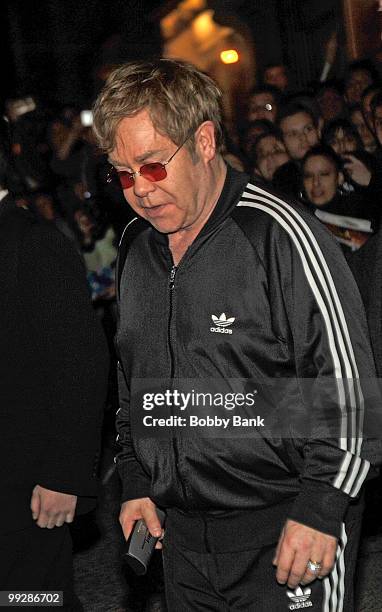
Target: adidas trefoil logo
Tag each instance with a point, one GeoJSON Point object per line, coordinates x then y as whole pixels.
{"type": "Point", "coordinates": [300, 597]}
{"type": "Point", "coordinates": [222, 324]}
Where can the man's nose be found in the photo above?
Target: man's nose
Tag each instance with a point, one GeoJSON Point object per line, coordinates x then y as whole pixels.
{"type": "Point", "coordinates": [316, 180]}
{"type": "Point", "coordinates": [142, 186]}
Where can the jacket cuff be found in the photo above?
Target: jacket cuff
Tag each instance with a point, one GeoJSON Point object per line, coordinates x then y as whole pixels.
{"type": "Point", "coordinates": [320, 506]}
{"type": "Point", "coordinates": [135, 483]}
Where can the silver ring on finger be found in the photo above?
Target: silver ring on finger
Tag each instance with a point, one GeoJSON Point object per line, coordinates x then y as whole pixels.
{"type": "Point", "coordinates": [313, 566]}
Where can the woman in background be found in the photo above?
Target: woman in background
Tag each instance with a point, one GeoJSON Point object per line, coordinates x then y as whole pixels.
{"type": "Point", "coordinates": [350, 217]}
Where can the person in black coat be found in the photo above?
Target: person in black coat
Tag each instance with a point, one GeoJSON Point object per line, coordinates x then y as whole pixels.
{"type": "Point", "coordinates": [54, 368]}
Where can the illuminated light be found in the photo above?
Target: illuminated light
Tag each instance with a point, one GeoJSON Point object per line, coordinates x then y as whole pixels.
{"type": "Point", "coordinates": [229, 56]}
{"type": "Point", "coordinates": [203, 25]}
{"type": "Point", "coordinates": [192, 4]}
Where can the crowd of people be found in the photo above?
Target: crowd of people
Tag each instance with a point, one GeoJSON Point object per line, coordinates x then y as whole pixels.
{"type": "Point", "coordinates": [60, 173]}
{"type": "Point", "coordinates": [316, 152]}
{"type": "Point", "coordinates": [339, 121]}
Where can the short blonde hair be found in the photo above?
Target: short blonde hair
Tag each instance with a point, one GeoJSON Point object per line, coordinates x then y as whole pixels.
{"type": "Point", "coordinates": [177, 96]}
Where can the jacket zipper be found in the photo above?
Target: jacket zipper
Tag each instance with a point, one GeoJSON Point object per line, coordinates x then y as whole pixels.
{"type": "Point", "coordinates": [171, 285]}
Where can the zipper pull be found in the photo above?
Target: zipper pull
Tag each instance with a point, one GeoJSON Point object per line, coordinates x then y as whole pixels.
{"type": "Point", "coordinates": [172, 277]}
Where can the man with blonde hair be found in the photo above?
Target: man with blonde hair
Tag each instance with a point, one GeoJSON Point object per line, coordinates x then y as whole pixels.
{"type": "Point", "coordinates": [222, 282]}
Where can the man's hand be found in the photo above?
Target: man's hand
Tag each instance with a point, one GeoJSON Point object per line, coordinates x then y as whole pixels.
{"type": "Point", "coordinates": [51, 508]}
{"type": "Point", "coordinates": [136, 509]}
{"type": "Point", "coordinates": [297, 545]}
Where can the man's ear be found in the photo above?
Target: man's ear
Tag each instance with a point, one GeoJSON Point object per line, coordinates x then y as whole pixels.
{"type": "Point", "coordinates": [205, 143]}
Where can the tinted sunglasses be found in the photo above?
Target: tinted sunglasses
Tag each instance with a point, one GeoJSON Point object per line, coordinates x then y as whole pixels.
{"type": "Point", "coordinates": [155, 171]}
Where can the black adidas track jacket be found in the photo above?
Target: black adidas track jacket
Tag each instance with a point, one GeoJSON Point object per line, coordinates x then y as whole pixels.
{"type": "Point", "coordinates": [297, 314]}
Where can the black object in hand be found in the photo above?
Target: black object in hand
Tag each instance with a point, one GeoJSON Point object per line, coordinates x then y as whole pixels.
{"type": "Point", "coordinates": [140, 545]}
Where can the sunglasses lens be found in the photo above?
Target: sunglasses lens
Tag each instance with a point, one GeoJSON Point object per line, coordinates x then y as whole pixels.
{"type": "Point", "coordinates": [126, 180]}
{"type": "Point", "coordinates": [154, 172]}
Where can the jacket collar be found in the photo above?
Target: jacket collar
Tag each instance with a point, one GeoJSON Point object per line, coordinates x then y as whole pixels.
{"type": "Point", "coordinates": [230, 195]}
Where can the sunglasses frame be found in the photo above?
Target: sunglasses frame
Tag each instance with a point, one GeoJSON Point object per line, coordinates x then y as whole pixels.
{"type": "Point", "coordinates": [123, 174]}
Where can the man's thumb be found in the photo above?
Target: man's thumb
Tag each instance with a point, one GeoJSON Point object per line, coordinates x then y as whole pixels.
{"type": "Point", "coordinates": [35, 503]}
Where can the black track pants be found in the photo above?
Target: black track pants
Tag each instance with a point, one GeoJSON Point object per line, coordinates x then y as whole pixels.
{"type": "Point", "coordinates": [245, 581]}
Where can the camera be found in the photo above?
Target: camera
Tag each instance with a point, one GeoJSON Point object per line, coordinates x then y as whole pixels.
{"type": "Point", "coordinates": [140, 546]}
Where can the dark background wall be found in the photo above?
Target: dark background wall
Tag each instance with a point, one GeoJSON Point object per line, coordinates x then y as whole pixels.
{"type": "Point", "coordinates": [294, 32]}
{"type": "Point", "coordinates": [54, 48]}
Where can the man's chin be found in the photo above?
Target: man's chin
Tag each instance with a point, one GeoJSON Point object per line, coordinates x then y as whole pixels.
{"type": "Point", "coordinates": [164, 226]}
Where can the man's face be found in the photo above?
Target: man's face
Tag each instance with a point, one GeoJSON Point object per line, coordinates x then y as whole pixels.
{"type": "Point", "coordinates": [277, 77]}
{"type": "Point", "coordinates": [356, 85]}
{"type": "Point", "coordinates": [271, 154]}
{"type": "Point", "coordinates": [251, 134]}
{"type": "Point", "coordinates": [171, 204]}
{"type": "Point", "coordinates": [331, 104]}
{"type": "Point", "coordinates": [262, 106]}
{"type": "Point", "coordinates": [299, 134]}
